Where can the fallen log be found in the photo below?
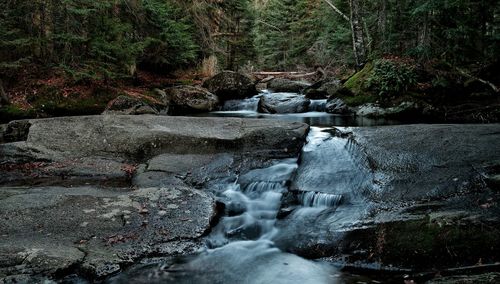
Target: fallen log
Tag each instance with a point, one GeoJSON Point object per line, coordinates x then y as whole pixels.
{"type": "Point", "coordinates": [300, 74]}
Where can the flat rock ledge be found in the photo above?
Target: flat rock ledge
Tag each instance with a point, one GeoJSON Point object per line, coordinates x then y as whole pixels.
{"type": "Point", "coordinates": [91, 195]}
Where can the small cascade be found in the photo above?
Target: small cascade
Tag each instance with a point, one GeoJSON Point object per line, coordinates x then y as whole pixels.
{"type": "Point", "coordinates": [256, 188]}
{"type": "Point", "coordinates": [246, 105]}
{"type": "Point", "coordinates": [252, 205]}
{"type": "Point", "coordinates": [329, 165]}
{"type": "Point", "coordinates": [319, 199]}
{"type": "Point", "coordinates": [318, 105]}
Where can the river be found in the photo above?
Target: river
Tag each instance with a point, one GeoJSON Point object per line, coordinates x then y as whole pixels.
{"type": "Point", "coordinates": [268, 211]}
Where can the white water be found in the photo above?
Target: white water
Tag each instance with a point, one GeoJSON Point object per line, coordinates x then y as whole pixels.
{"type": "Point", "coordinates": [319, 199]}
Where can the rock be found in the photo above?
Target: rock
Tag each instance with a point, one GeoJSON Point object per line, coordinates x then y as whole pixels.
{"type": "Point", "coordinates": [96, 230]}
{"type": "Point", "coordinates": [337, 106]}
{"type": "Point", "coordinates": [492, 277]}
{"type": "Point", "coordinates": [403, 110]}
{"type": "Point", "coordinates": [121, 188]}
{"type": "Point", "coordinates": [230, 85]}
{"type": "Point", "coordinates": [279, 85]}
{"type": "Point", "coordinates": [14, 131]}
{"type": "Point", "coordinates": [283, 103]}
{"type": "Point", "coordinates": [105, 150]}
{"type": "Point", "coordinates": [189, 99]}
{"type": "Point", "coordinates": [425, 198]}
{"type": "Point", "coordinates": [370, 110]}
{"type": "Point", "coordinates": [430, 151]}
{"type": "Point", "coordinates": [129, 106]}
{"type": "Point", "coordinates": [20, 171]}
{"type": "Point", "coordinates": [323, 89]}
{"type": "Point", "coordinates": [142, 137]}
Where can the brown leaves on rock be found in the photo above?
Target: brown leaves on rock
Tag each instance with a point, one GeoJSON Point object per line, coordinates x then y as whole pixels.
{"type": "Point", "coordinates": [118, 238]}
{"type": "Point", "coordinates": [129, 169]}
{"type": "Point", "coordinates": [26, 167]}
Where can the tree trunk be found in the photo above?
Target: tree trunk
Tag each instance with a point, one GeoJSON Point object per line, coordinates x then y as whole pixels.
{"type": "Point", "coordinates": [424, 35]}
{"type": "Point", "coordinates": [4, 100]}
{"type": "Point", "coordinates": [382, 26]}
{"type": "Point", "coordinates": [358, 38]}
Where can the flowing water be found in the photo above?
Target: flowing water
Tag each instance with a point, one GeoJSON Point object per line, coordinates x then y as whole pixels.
{"type": "Point", "coordinates": [251, 241]}
{"type": "Point", "coordinates": [316, 116]}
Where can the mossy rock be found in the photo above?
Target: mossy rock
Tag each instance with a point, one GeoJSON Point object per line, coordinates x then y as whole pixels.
{"type": "Point", "coordinates": [358, 93]}
{"type": "Point", "coordinates": [425, 244]}
{"type": "Point", "coordinates": [357, 83]}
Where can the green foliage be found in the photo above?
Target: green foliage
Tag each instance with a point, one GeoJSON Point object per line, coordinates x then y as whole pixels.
{"type": "Point", "coordinates": [13, 112]}
{"type": "Point", "coordinates": [92, 40]}
{"type": "Point", "coordinates": [293, 33]}
{"type": "Point", "coordinates": [289, 34]}
{"type": "Point", "coordinates": [392, 77]}
{"type": "Point", "coordinates": [170, 41]}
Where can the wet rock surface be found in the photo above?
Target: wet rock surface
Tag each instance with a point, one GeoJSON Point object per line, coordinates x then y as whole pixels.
{"type": "Point", "coordinates": [91, 195]}
{"type": "Point", "coordinates": [324, 89]}
{"type": "Point", "coordinates": [337, 106]}
{"type": "Point", "coordinates": [426, 204]}
{"type": "Point", "coordinates": [283, 103]}
{"type": "Point", "coordinates": [401, 111]}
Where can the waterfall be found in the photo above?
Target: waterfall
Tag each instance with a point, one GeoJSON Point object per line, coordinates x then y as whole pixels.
{"type": "Point", "coordinates": [248, 105]}
{"type": "Point", "coordinates": [318, 105]}
{"type": "Point", "coordinates": [319, 199]}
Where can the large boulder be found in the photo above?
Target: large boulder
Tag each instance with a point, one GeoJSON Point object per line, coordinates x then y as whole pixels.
{"type": "Point", "coordinates": [283, 103]}
{"type": "Point", "coordinates": [324, 89]}
{"type": "Point", "coordinates": [279, 85]}
{"type": "Point", "coordinates": [100, 150]}
{"type": "Point", "coordinates": [125, 105]}
{"type": "Point", "coordinates": [189, 99]}
{"type": "Point", "coordinates": [230, 85]}
{"type": "Point", "coordinates": [337, 106]}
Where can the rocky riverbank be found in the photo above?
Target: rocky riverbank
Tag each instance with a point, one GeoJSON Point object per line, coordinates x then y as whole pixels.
{"type": "Point", "coordinates": [357, 96]}
{"type": "Point", "coordinates": [90, 195]}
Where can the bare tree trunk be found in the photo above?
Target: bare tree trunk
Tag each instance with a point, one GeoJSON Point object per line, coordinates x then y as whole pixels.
{"type": "Point", "coordinates": [4, 100]}
{"type": "Point", "coordinates": [424, 34]}
{"type": "Point", "coordinates": [382, 26]}
{"type": "Point", "coordinates": [358, 37]}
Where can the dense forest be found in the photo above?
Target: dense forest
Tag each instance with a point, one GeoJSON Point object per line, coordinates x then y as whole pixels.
{"type": "Point", "coordinates": [250, 141]}
{"type": "Point", "coordinates": [110, 42]}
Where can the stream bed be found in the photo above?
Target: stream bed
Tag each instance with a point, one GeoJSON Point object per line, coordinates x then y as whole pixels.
{"type": "Point", "coordinates": [267, 210]}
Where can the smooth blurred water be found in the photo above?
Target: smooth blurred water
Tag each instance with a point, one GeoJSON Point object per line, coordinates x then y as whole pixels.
{"type": "Point", "coordinates": [316, 116]}
{"type": "Point", "coordinates": [249, 244]}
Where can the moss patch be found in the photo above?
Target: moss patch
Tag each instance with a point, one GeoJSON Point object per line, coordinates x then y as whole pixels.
{"type": "Point", "coordinates": [357, 90]}
{"type": "Point", "coordinates": [13, 112]}
{"type": "Point", "coordinates": [357, 83]}
{"type": "Point", "coordinates": [424, 244]}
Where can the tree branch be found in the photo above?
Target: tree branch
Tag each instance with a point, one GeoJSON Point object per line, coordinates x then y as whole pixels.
{"type": "Point", "coordinates": [337, 10]}
{"type": "Point", "coordinates": [492, 86]}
